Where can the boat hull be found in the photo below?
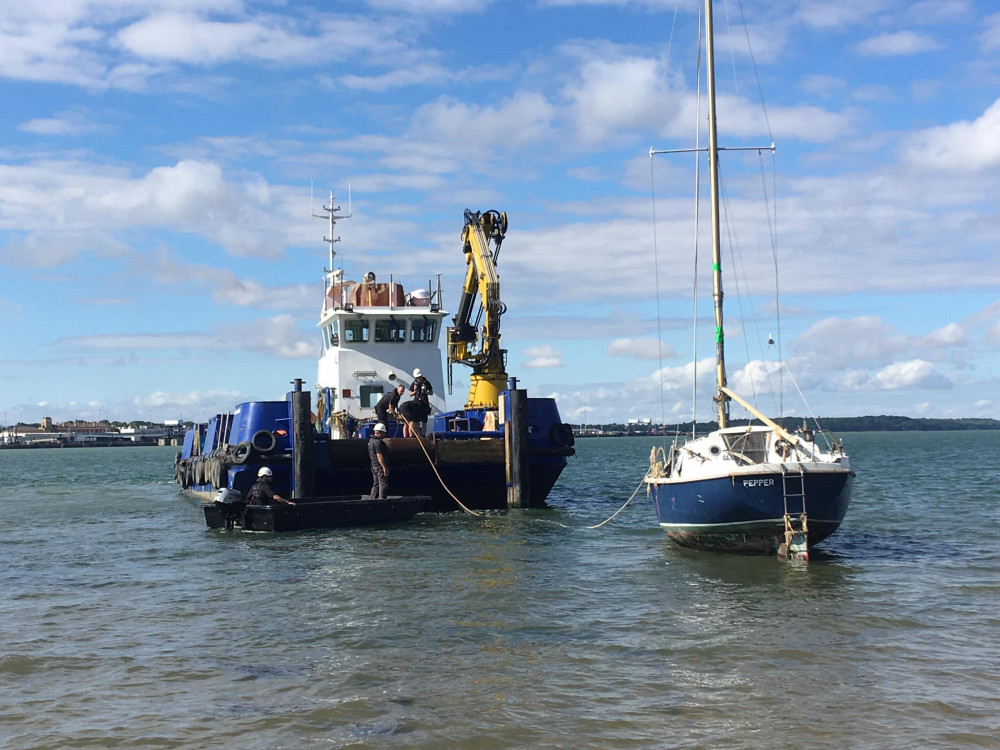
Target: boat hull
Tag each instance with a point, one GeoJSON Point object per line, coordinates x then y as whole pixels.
{"type": "Point", "coordinates": [314, 513]}
{"type": "Point", "coordinates": [744, 512]}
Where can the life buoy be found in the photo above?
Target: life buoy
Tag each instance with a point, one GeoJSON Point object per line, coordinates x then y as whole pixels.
{"type": "Point", "coordinates": [242, 452]}
{"type": "Point", "coordinates": [263, 441]}
{"type": "Point", "coordinates": [562, 434]}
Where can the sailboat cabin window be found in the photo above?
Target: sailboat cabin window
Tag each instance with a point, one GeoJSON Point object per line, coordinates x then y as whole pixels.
{"type": "Point", "coordinates": [355, 331]}
{"type": "Point", "coordinates": [390, 329]}
{"type": "Point", "coordinates": [750, 445]}
{"type": "Point", "coordinates": [423, 330]}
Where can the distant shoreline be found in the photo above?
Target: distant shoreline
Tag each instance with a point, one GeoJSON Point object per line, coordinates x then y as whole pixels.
{"type": "Point", "coordinates": [881, 423]}
{"type": "Point", "coordinates": [39, 445]}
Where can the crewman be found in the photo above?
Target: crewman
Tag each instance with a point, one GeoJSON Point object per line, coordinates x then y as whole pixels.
{"type": "Point", "coordinates": [389, 403]}
{"type": "Point", "coordinates": [261, 493]}
{"type": "Point", "coordinates": [379, 455]}
{"type": "Point", "coordinates": [420, 391]}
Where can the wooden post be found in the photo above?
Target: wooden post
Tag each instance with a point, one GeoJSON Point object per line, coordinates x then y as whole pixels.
{"type": "Point", "coordinates": [516, 448]}
{"type": "Point", "coordinates": [303, 463]}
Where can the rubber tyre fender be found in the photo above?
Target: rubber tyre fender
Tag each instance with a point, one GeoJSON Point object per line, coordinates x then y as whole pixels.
{"type": "Point", "coordinates": [264, 441]}
{"type": "Point", "coordinates": [242, 452]}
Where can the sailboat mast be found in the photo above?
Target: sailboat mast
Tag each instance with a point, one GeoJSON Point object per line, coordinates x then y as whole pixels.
{"type": "Point", "coordinates": [721, 398]}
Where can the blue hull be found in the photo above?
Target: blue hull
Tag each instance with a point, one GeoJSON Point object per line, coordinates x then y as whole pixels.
{"type": "Point", "coordinates": [228, 450]}
{"type": "Point", "coordinates": [747, 514]}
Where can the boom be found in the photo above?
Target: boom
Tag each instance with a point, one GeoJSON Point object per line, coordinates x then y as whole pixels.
{"type": "Point", "coordinates": [482, 285]}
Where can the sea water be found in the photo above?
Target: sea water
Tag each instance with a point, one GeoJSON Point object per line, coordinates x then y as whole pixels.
{"type": "Point", "coordinates": [124, 622]}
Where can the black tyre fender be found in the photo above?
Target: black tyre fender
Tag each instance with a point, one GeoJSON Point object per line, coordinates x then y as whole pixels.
{"type": "Point", "coordinates": [263, 441]}
{"type": "Point", "coordinates": [242, 452]}
{"type": "Point", "coordinates": [221, 475]}
{"type": "Point", "coordinates": [562, 434]}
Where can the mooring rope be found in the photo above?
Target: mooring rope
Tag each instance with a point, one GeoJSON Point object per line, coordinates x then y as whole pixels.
{"type": "Point", "coordinates": [420, 442]}
{"type": "Point", "coordinates": [461, 505]}
{"type": "Point", "coordinates": [599, 525]}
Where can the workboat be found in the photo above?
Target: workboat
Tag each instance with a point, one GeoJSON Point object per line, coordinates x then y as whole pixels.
{"type": "Point", "coordinates": [503, 449]}
{"type": "Point", "coordinates": [753, 488]}
{"type": "Point", "coordinates": [229, 511]}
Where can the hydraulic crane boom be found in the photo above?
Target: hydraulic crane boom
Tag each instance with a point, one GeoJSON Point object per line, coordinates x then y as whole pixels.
{"type": "Point", "coordinates": [482, 285]}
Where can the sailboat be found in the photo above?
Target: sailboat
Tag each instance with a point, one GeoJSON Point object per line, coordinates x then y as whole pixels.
{"type": "Point", "coordinates": [756, 488]}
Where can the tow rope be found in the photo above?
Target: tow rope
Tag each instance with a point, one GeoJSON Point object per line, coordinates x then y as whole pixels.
{"type": "Point", "coordinates": [420, 442]}
{"type": "Point", "coordinates": [599, 525]}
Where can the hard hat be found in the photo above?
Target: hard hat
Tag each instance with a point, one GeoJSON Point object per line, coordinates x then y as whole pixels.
{"type": "Point", "coordinates": [265, 472]}
{"type": "Point", "coordinates": [379, 427]}
{"type": "Point", "coordinates": [416, 373]}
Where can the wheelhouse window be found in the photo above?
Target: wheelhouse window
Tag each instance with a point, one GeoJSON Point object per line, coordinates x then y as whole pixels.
{"type": "Point", "coordinates": [390, 329]}
{"type": "Point", "coordinates": [370, 395]}
{"type": "Point", "coordinates": [330, 336]}
{"type": "Point", "coordinates": [423, 329]}
{"type": "Point", "coordinates": [355, 331]}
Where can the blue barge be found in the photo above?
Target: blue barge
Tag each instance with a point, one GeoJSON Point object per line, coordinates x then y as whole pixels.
{"type": "Point", "coordinates": [374, 336]}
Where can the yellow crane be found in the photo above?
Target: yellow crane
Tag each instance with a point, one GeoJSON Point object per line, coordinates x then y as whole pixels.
{"type": "Point", "coordinates": [476, 342]}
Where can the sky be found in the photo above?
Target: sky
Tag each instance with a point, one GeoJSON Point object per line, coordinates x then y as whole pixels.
{"type": "Point", "coordinates": [160, 163]}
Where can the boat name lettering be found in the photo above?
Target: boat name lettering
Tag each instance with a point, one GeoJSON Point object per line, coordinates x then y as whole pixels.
{"type": "Point", "coordinates": [758, 482]}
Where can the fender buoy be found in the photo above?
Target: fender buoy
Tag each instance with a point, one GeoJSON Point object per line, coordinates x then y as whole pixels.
{"type": "Point", "coordinates": [562, 434]}
{"type": "Point", "coordinates": [263, 441]}
{"type": "Point", "coordinates": [242, 452]}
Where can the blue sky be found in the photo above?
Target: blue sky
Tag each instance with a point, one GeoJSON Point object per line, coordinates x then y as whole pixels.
{"type": "Point", "coordinates": [157, 163]}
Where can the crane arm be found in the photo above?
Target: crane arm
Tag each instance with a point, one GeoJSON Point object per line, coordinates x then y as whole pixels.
{"type": "Point", "coordinates": [482, 285]}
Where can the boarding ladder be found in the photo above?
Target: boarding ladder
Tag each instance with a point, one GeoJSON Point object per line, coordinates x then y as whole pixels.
{"type": "Point", "coordinates": [793, 489]}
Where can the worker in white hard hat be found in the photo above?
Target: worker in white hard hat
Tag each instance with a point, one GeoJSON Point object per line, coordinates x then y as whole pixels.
{"type": "Point", "coordinates": [379, 455]}
{"type": "Point", "coordinates": [420, 391]}
{"type": "Point", "coordinates": [262, 493]}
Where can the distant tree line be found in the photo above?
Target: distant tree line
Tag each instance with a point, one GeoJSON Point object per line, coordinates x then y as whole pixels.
{"type": "Point", "coordinates": [881, 423]}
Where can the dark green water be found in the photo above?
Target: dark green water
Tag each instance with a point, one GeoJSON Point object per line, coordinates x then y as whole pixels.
{"type": "Point", "coordinates": [124, 622]}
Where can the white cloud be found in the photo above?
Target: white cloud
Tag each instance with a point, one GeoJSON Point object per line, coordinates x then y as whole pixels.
{"type": "Point", "coordinates": [989, 37]}
{"type": "Point", "coordinates": [71, 122]}
{"type": "Point", "coordinates": [949, 336]}
{"type": "Point", "coordinates": [961, 146]}
{"type": "Point", "coordinates": [897, 44]}
{"type": "Point", "coordinates": [190, 402]}
{"type": "Point", "coordinates": [421, 7]}
{"type": "Point", "coordinates": [640, 348]}
{"type": "Point", "coordinates": [916, 373]}
{"type": "Point", "coordinates": [620, 94]}
{"type": "Point", "coordinates": [823, 14]}
{"type": "Point", "coordinates": [516, 121]}
{"type": "Point", "coordinates": [539, 357]}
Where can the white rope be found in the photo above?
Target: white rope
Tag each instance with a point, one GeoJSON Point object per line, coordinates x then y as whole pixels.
{"type": "Point", "coordinates": [599, 525]}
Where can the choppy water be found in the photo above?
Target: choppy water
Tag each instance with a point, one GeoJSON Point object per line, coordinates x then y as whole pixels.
{"type": "Point", "coordinates": [124, 622]}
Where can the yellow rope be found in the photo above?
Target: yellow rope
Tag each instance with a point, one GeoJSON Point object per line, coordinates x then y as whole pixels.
{"type": "Point", "coordinates": [420, 442]}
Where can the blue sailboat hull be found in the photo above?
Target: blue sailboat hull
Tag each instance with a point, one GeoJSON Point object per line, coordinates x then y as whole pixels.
{"type": "Point", "coordinates": [745, 512]}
